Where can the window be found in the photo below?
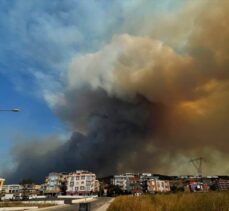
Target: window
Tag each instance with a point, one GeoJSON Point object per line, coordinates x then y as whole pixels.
{"type": "Point", "coordinates": [88, 178]}
{"type": "Point", "coordinates": [82, 177]}
{"type": "Point", "coordinates": [81, 187]}
{"type": "Point", "coordinates": [76, 188]}
{"type": "Point", "coordinates": [77, 177]}
{"type": "Point", "coordinates": [71, 184]}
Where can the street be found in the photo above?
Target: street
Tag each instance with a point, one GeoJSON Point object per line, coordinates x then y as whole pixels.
{"type": "Point", "coordinates": [75, 207]}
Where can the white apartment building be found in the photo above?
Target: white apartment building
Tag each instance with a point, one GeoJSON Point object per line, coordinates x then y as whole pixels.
{"type": "Point", "coordinates": [158, 186]}
{"type": "Point", "coordinates": [121, 180]}
{"type": "Point", "coordinates": [82, 182]}
{"type": "Point", "coordinates": [13, 188]}
{"type": "Point", "coordinates": [1, 183]}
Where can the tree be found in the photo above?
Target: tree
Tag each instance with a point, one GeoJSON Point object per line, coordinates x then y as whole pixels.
{"type": "Point", "coordinates": [63, 188]}
{"type": "Point", "coordinates": [114, 190]}
{"type": "Point", "coordinates": [26, 181]}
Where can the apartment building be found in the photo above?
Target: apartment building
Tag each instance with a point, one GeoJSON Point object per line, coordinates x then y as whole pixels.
{"type": "Point", "coordinates": [144, 178]}
{"type": "Point", "coordinates": [133, 185]}
{"type": "Point", "coordinates": [158, 186]}
{"type": "Point", "coordinates": [54, 183]}
{"type": "Point", "coordinates": [122, 180]}
{"type": "Point", "coordinates": [82, 182]}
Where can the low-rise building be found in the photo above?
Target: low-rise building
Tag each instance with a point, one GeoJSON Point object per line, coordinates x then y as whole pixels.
{"type": "Point", "coordinates": [158, 186]}
{"type": "Point", "coordinates": [82, 182]}
{"type": "Point", "coordinates": [31, 189]}
{"type": "Point", "coordinates": [12, 189]}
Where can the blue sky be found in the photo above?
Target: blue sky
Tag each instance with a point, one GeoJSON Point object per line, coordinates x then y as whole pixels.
{"type": "Point", "coordinates": [38, 39]}
{"type": "Point", "coordinates": [35, 118]}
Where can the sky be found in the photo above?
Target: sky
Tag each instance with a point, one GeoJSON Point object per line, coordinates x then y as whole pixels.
{"type": "Point", "coordinates": [64, 62]}
{"type": "Point", "coordinates": [38, 41]}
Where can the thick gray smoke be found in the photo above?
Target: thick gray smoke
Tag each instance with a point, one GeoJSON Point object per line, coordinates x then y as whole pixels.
{"type": "Point", "coordinates": [141, 104]}
{"type": "Point", "coordinates": [112, 126]}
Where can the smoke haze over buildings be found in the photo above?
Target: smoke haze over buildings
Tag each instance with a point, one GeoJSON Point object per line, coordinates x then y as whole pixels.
{"type": "Point", "coordinates": [141, 103]}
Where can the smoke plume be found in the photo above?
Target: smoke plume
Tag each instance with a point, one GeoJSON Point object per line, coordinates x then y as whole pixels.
{"type": "Point", "coordinates": [141, 104]}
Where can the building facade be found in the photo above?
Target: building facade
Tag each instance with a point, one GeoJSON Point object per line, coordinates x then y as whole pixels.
{"type": "Point", "coordinates": [12, 189]}
{"type": "Point", "coordinates": [158, 186]}
{"type": "Point", "coordinates": [144, 178]}
{"type": "Point", "coordinates": [82, 183]}
{"type": "Point", "coordinates": [122, 180]}
{"type": "Point", "coordinates": [133, 185]}
{"type": "Point", "coordinates": [31, 189]}
{"type": "Point", "coordinates": [222, 184]}
{"type": "Point", "coordinates": [54, 183]}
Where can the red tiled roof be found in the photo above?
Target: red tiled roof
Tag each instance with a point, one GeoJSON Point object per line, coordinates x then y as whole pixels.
{"type": "Point", "coordinates": [133, 178]}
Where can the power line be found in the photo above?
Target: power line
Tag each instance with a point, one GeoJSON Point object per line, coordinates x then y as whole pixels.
{"type": "Point", "coordinates": [197, 163]}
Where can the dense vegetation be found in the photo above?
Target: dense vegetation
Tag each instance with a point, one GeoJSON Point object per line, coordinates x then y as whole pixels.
{"type": "Point", "coordinates": [211, 201]}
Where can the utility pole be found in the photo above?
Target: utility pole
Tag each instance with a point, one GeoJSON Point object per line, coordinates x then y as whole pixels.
{"type": "Point", "coordinates": [197, 163]}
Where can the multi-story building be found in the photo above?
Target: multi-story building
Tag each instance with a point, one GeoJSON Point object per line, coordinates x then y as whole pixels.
{"type": "Point", "coordinates": [144, 177]}
{"type": "Point", "coordinates": [82, 183]}
{"type": "Point", "coordinates": [13, 188]}
{"type": "Point", "coordinates": [133, 185]}
{"type": "Point", "coordinates": [158, 186]}
{"type": "Point", "coordinates": [121, 180]}
{"type": "Point", "coordinates": [1, 183]}
{"type": "Point", "coordinates": [55, 183]}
